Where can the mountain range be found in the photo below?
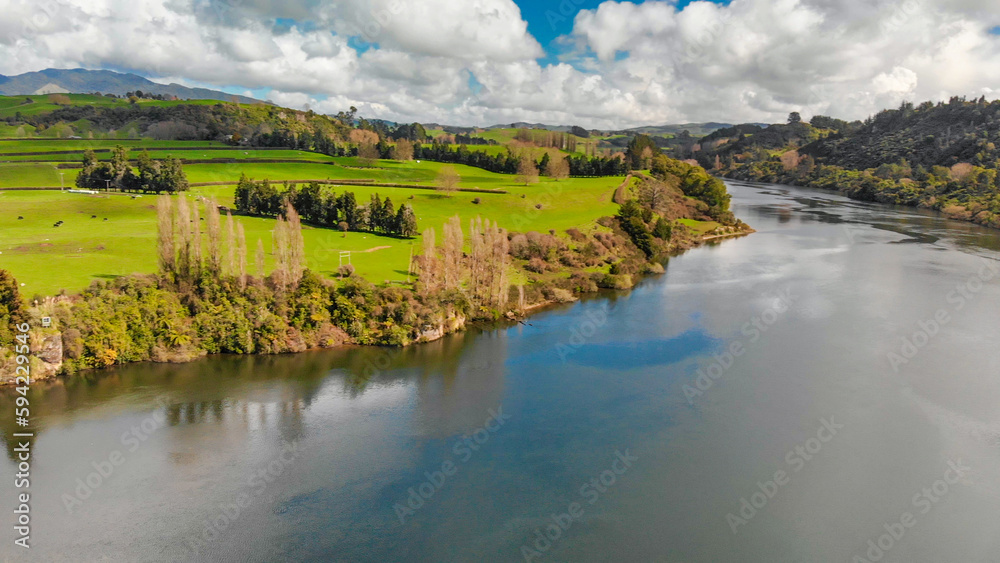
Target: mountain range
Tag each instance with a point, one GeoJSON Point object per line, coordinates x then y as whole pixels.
{"type": "Point", "coordinates": [82, 81]}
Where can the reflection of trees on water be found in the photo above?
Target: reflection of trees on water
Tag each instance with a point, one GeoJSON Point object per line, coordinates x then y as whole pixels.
{"type": "Point", "coordinates": [458, 378]}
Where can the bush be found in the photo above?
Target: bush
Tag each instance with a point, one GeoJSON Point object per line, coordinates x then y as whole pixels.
{"type": "Point", "coordinates": [346, 271]}
{"type": "Point", "coordinates": [536, 265]}
{"type": "Point", "coordinates": [476, 200]}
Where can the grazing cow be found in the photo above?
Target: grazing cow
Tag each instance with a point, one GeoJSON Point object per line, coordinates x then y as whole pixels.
{"type": "Point", "coordinates": [20, 217]}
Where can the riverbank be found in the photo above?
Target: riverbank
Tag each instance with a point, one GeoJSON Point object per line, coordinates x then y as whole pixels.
{"type": "Point", "coordinates": [204, 303]}
{"type": "Point", "coordinates": [59, 349]}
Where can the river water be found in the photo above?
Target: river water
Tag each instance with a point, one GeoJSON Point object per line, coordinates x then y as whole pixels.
{"type": "Point", "coordinates": [831, 380]}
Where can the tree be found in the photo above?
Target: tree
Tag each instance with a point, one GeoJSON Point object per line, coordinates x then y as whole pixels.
{"type": "Point", "coordinates": [165, 235]}
{"type": "Point", "coordinates": [119, 164]}
{"type": "Point", "coordinates": [296, 244]}
{"type": "Point", "coordinates": [406, 221]}
{"type": "Point", "coordinates": [429, 266]}
{"type": "Point", "coordinates": [259, 258]}
{"type": "Point", "coordinates": [447, 180]}
{"type": "Point", "coordinates": [557, 168]}
{"type": "Point", "coordinates": [213, 223]}
{"type": "Point", "coordinates": [454, 239]}
{"type": "Point", "coordinates": [148, 171]}
{"type": "Point", "coordinates": [653, 194]}
{"type": "Point", "coordinates": [230, 269]}
{"type": "Point", "coordinates": [241, 252]}
{"type": "Point", "coordinates": [527, 171]}
{"type": "Point", "coordinates": [403, 150]}
{"type": "Point", "coordinates": [11, 313]}
{"type": "Point", "coordinates": [183, 239]}
{"type": "Point", "coordinates": [367, 155]}
{"type": "Point", "coordinates": [794, 118]}
{"type": "Point", "coordinates": [195, 241]}
{"type": "Point", "coordinates": [637, 155]}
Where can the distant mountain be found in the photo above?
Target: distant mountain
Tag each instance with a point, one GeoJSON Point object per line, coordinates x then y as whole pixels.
{"type": "Point", "coordinates": [524, 125]}
{"type": "Point", "coordinates": [81, 81]}
{"type": "Point", "coordinates": [695, 129]}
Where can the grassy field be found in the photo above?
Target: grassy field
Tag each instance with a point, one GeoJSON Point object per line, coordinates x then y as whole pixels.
{"type": "Point", "coordinates": [35, 104]}
{"type": "Point", "coordinates": [48, 259]}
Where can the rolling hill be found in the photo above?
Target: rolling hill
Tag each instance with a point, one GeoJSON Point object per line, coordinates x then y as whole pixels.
{"type": "Point", "coordinates": [51, 80]}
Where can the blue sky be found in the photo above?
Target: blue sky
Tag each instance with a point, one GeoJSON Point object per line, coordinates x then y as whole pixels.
{"type": "Point", "coordinates": [549, 19]}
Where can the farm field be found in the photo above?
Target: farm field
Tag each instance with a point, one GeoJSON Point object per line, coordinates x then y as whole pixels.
{"type": "Point", "coordinates": [36, 104]}
{"type": "Point", "coordinates": [48, 259]}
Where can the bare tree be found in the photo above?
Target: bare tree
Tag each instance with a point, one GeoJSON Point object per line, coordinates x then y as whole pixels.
{"type": "Point", "coordinates": [527, 170]}
{"type": "Point", "coordinates": [490, 260]}
{"type": "Point", "coordinates": [183, 238]}
{"type": "Point", "coordinates": [213, 225]}
{"type": "Point", "coordinates": [403, 150]}
{"type": "Point", "coordinates": [259, 259]}
{"type": "Point", "coordinates": [230, 269]}
{"type": "Point", "coordinates": [195, 241]}
{"type": "Point", "coordinates": [296, 244]}
{"type": "Point", "coordinates": [653, 194]}
{"type": "Point", "coordinates": [279, 248]}
{"type": "Point", "coordinates": [241, 252]}
{"type": "Point", "coordinates": [367, 155]}
{"type": "Point", "coordinates": [453, 241]}
{"type": "Point", "coordinates": [430, 266]}
{"type": "Point", "coordinates": [557, 168]}
{"type": "Point", "coordinates": [447, 180]}
{"type": "Point", "coordinates": [165, 234]}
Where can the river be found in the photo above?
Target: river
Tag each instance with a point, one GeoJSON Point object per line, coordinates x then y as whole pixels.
{"type": "Point", "coordinates": [827, 389]}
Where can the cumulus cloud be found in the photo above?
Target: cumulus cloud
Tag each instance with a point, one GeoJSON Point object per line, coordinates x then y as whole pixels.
{"type": "Point", "coordinates": [623, 64]}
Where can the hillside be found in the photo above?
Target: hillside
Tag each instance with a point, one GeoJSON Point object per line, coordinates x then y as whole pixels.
{"type": "Point", "coordinates": [78, 80]}
{"type": "Point", "coordinates": [940, 156]}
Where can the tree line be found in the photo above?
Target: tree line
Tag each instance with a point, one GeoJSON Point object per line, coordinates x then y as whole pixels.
{"type": "Point", "coordinates": [154, 176]}
{"type": "Point", "coordinates": [324, 208]}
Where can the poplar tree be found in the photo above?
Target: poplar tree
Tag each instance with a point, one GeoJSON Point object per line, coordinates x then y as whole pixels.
{"type": "Point", "coordinates": [213, 225]}
{"type": "Point", "coordinates": [453, 241]}
{"type": "Point", "coordinates": [165, 235]}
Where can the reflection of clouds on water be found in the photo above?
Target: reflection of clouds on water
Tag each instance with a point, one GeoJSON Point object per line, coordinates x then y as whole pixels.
{"type": "Point", "coordinates": [954, 422]}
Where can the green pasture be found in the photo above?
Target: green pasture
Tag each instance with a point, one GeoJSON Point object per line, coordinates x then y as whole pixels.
{"type": "Point", "coordinates": [48, 259]}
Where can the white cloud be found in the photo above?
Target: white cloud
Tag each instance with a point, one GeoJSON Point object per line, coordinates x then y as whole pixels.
{"type": "Point", "coordinates": [628, 64]}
